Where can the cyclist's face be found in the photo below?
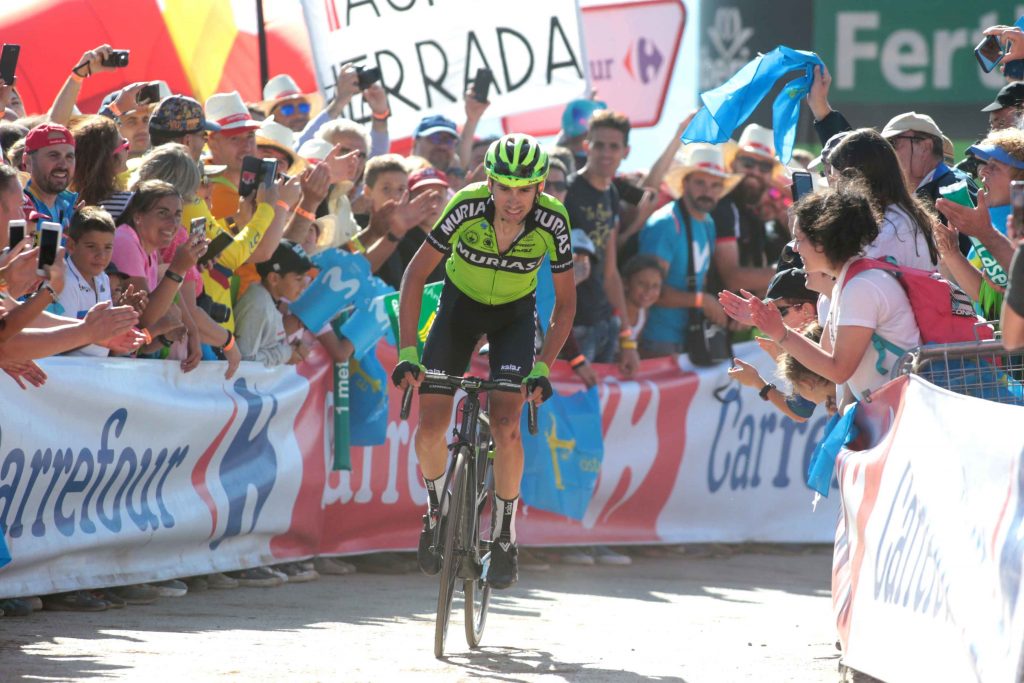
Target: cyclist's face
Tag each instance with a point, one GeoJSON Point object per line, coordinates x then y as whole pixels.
{"type": "Point", "coordinates": [512, 203]}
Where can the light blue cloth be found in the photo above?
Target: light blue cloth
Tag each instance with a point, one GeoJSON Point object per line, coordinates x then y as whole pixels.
{"type": "Point", "coordinates": [664, 236]}
{"type": "Point", "coordinates": [839, 431]}
{"type": "Point", "coordinates": [730, 104]}
{"type": "Point", "coordinates": [336, 287]}
{"type": "Point", "coordinates": [368, 384]}
{"type": "Point", "coordinates": [369, 323]}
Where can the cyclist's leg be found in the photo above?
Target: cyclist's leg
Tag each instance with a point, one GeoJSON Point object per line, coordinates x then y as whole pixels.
{"type": "Point", "coordinates": [505, 409]}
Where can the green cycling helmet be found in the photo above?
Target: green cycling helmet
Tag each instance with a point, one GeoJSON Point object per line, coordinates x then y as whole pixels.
{"type": "Point", "coordinates": [516, 160]}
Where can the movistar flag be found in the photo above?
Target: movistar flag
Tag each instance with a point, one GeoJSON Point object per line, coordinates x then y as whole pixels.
{"type": "Point", "coordinates": [335, 288]}
{"type": "Point", "coordinates": [839, 431]}
{"type": "Point", "coordinates": [730, 104]}
{"type": "Point", "coordinates": [563, 459]}
{"type": "Point", "coordinates": [369, 321]}
{"type": "Point", "coordinates": [368, 401]}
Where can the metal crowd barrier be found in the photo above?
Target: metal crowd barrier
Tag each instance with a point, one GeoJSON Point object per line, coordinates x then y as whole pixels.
{"type": "Point", "coordinates": [982, 369]}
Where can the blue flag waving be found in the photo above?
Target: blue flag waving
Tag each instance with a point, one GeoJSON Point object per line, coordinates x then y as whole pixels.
{"type": "Point", "coordinates": [730, 104]}
{"type": "Point", "coordinates": [368, 401]}
{"type": "Point", "coordinates": [563, 459]}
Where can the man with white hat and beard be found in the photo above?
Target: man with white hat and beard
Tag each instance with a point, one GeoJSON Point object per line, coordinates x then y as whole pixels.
{"type": "Point", "coordinates": [702, 181]}
{"type": "Point", "coordinates": [741, 261]}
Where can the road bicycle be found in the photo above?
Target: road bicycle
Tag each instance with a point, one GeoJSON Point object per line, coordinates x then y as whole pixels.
{"type": "Point", "coordinates": [467, 497]}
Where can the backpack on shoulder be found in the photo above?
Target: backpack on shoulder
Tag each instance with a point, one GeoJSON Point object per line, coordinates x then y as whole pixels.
{"type": "Point", "coordinates": [944, 313]}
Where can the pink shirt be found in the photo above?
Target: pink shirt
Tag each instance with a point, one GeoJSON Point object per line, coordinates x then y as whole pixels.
{"type": "Point", "coordinates": [130, 258]}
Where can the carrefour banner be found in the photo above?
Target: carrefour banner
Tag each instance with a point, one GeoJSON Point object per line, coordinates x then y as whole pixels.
{"type": "Point", "coordinates": [927, 572]}
{"type": "Point", "coordinates": [428, 52]}
{"type": "Point", "coordinates": [123, 471]}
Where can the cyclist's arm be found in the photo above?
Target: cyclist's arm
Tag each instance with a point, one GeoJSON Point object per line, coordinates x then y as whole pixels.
{"type": "Point", "coordinates": [411, 298]}
{"type": "Point", "coordinates": [561, 316]}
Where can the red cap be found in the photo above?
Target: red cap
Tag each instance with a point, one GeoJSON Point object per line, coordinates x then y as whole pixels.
{"type": "Point", "coordinates": [47, 135]}
{"type": "Point", "coordinates": [427, 176]}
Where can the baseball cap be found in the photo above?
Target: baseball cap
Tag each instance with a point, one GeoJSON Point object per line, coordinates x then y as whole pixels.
{"type": "Point", "coordinates": [1010, 95]}
{"type": "Point", "coordinates": [576, 116]}
{"type": "Point", "coordinates": [435, 123]}
{"type": "Point", "coordinates": [911, 121]}
{"type": "Point", "coordinates": [289, 257]}
{"type": "Point", "coordinates": [180, 115]}
{"type": "Point", "coordinates": [427, 176]}
{"type": "Point", "coordinates": [47, 135]}
{"type": "Point", "coordinates": [829, 147]}
{"type": "Point", "coordinates": [790, 284]}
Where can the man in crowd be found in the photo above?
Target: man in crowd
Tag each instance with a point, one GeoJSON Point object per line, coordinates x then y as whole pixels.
{"type": "Point", "coordinates": [575, 124]}
{"type": "Point", "coordinates": [181, 119]}
{"type": "Point", "coordinates": [703, 180]}
{"type": "Point", "coordinates": [741, 260]}
{"type": "Point", "coordinates": [1005, 110]}
{"type": "Point", "coordinates": [235, 140]}
{"type": "Point", "coordinates": [436, 138]}
{"type": "Point", "coordinates": [592, 203]}
{"type": "Point", "coordinates": [50, 160]}
{"type": "Point", "coordinates": [283, 100]}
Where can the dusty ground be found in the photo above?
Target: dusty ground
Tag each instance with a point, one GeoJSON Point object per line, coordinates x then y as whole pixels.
{"type": "Point", "coordinates": [739, 615]}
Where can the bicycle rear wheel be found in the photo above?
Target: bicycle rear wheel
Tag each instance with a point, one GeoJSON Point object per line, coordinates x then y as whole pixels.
{"type": "Point", "coordinates": [451, 556]}
{"type": "Point", "coordinates": [478, 592]}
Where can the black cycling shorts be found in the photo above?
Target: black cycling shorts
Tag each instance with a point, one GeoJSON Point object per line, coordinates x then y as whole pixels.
{"type": "Point", "coordinates": [458, 326]}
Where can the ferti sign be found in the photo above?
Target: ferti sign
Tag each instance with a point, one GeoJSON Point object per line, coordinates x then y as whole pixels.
{"type": "Point", "coordinates": [631, 50]}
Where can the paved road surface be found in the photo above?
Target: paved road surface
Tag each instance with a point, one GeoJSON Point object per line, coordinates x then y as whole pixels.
{"type": "Point", "coordinates": [723, 616]}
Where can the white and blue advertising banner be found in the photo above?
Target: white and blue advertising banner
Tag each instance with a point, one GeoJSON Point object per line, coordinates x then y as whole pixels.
{"type": "Point", "coordinates": [927, 573]}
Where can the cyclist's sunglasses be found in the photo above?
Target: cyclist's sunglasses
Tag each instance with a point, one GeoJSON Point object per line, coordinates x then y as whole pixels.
{"type": "Point", "coordinates": [290, 108]}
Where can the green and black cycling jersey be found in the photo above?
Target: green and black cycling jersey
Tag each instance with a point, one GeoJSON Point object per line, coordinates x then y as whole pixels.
{"type": "Point", "coordinates": [465, 232]}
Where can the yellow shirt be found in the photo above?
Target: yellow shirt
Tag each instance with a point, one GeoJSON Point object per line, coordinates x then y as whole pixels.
{"type": "Point", "coordinates": [217, 279]}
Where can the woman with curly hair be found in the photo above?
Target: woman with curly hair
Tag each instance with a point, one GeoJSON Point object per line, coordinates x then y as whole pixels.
{"type": "Point", "coordinates": [101, 156]}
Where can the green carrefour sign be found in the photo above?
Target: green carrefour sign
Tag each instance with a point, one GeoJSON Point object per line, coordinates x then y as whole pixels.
{"type": "Point", "coordinates": [881, 51]}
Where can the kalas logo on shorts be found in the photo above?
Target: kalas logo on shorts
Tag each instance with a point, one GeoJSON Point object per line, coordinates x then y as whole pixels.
{"type": "Point", "coordinates": [249, 462]}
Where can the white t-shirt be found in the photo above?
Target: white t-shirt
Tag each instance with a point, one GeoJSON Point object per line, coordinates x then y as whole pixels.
{"type": "Point", "coordinates": [876, 300]}
{"type": "Point", "coordinates": [897, 238]}
{"type": "Point", "coordinates": [78, 296]}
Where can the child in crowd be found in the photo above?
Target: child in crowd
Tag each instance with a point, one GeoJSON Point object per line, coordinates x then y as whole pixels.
{"type": "Point", "coordinates": [642, 277]}
{"type": "Point", "coordinates": [89, 247]}
{"type": "Point", "coordinates": [261, 330]}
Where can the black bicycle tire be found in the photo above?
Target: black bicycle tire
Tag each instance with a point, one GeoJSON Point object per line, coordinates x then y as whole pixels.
{"type": "Point", "coordinates": [476, 615]}
{"type": "Point", "coordinates": [449, 557]}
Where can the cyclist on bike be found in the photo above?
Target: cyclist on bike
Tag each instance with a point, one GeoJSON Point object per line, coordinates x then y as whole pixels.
{"type": "Point", "coordinates": [494, 235]}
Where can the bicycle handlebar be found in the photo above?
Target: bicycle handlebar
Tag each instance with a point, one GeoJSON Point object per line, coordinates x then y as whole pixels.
{"type": "Point", "coordinates": [474, 385]}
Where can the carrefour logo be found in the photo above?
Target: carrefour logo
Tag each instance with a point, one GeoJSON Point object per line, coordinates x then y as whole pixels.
{"type": "Point", "coordinates": [81, 489]}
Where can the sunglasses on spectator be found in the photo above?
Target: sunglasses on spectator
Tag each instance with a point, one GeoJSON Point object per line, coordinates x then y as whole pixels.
{"type": "Point", "coordinates": [749, 164]}
{"type": "Point", "coordinates": [123, 147]}
{"type": "Point", "coordinates": [911, 138]}
{"type": "Point", "coordinates": [290, 108]}
{"type": "Point", "coordinates": [446, 139]}
{"type": "Point", "coordinates": [348, 150]}
{"type": "Point", "coordinates": [784, 310]}
{"type": "Point", "coordinates": [557, 185]}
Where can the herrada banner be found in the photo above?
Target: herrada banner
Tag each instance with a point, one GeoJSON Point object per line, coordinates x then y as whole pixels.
{"type": "Point", "coordinates": [124, 471]}
{"type": "Point", "coordinates": [429, 52]}
{"type": "Point", "coordinates": [927, 578]}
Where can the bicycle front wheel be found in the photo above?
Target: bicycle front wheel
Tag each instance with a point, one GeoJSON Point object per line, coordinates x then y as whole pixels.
{"type": "Point", "coordinates": [451, 555]}
{"type": "Point", "coordinates": [478, 592]}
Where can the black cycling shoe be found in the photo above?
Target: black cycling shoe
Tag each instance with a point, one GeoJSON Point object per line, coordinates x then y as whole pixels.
{"type": "Point", "coordinates": [503, 568]}
{"type": "Point", "coordinates": [430, 562]}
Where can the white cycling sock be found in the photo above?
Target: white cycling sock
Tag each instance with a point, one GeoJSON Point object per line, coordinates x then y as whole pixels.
{"type": "Point", "coordinates": [505, 520]}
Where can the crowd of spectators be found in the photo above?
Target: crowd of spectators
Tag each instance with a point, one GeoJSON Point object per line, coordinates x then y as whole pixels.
{"type": "Point", "coordinates": [707, 236]}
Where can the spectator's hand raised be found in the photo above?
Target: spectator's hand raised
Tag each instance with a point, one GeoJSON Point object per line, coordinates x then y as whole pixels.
{"type": "Point", "coordinates": [288, 189]}
{"type": "Point", "coordinates": [1012, 38]}
{"type": "Point", "coordinates": [686, 123]}
{"type": "Point", "coordinates": [735, 306]}
{"type": "Point", "coordinates": [766, 317]}
{"type": "Point", "coordinates": [946, 240]}
{"type": "Point", "coordinates": [6, 90]}
{"type": "Point", "coordinates": [24, 371]}
{"type": "Point", "coordinates": [474, 108]}
{"type": "Point", "coordinates": [55, 273]}
{"type": "Point", "coordinates": [136, 298]}
{"type": "Point", "coordinates": [127, 100]}
{"type": "Point", "coordinates": [745, 373]}
{"type": "Point", "coordinates": [973, 222]}
{"type": "Point", "coordinates": [377, 99]}
{"type": "Point", "coordinates": [346, 86]}
{"type": "Point", "coordinates": [408, 214]}
{"type": "Point", "coordinates": [817, 97]}
{"type": "Point", "coordinates": [20, 269]}
{"type": "Point", "coordinates": [316, 184]}
{"type": "Point", "coordinates": [127, 342]}
{"type": "Point", "coordinates": [188, 253]}
{"type": "Point", "coordinates": [105, 322]}
{"type": "Point", "coordinates": [92, 61]}
{"type": "Point", "coordinates": [247, 207]}
{"type": "Point", "coordinates": [342, 167]}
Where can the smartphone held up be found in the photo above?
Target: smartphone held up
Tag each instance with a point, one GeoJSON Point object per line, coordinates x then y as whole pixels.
{"type": "Point", "coordinates": [49, 242]}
